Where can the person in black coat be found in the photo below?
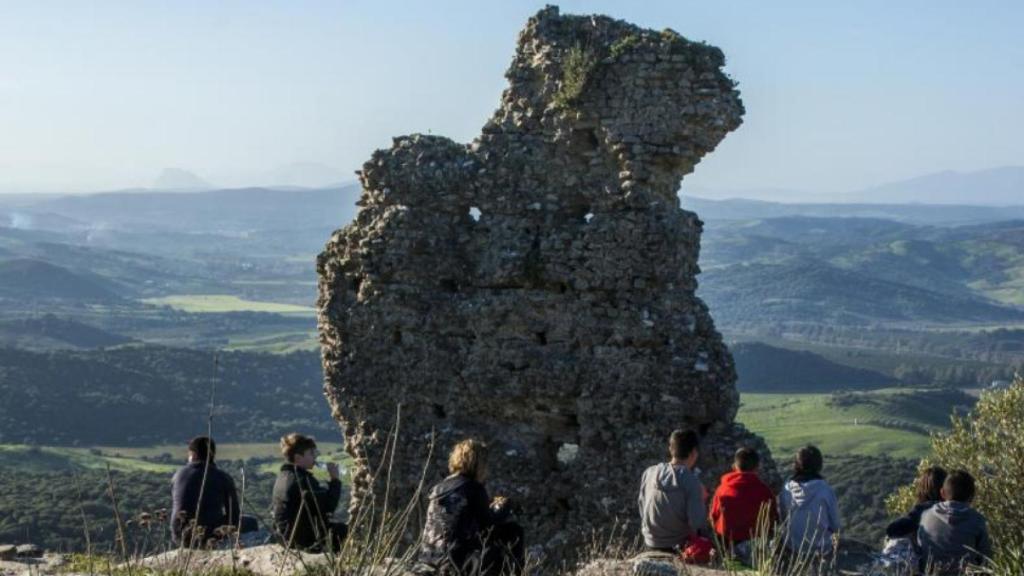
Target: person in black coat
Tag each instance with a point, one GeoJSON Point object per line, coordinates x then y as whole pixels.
{"type": "Point", "coordinates": [466, 532]}
{"type": "Point", "coordinates": [302, 507]}
{"type": "Point", "coordinates": [928, 489]}
{"type": "Point", "coordinates": [204, 502]}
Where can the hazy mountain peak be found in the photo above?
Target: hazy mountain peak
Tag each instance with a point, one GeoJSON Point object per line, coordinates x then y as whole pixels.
{"type": "Point", "coordinates": [178, 179]}
{"type": "Point", "coordinates": [1002, 186]}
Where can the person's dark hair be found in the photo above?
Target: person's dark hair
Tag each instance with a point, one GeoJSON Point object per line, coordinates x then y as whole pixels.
{"type": "Point", "coordinates": [203, 447]}
{"type": "Point", "coordinates": [959, 486]}
{"type": "Point", "coordinates": [746, 459]}
{"type": "Point", "coordinates": [928, 487]}
{"type": "Point", "coordinates": [808, 463]}
{"type": "Point", "coordinates": [294, 444]}
{"type": "Point", "coordinates": [682, 443]}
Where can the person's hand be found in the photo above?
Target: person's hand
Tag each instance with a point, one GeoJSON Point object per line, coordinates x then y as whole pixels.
{"type": "Point", "coordinates": [332, 470]}
{"type": "Point", "coordinates": [499, 502]}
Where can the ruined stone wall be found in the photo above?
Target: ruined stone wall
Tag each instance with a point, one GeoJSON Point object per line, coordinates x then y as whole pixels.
{"type": "Point", "coordinates": [536, 288]}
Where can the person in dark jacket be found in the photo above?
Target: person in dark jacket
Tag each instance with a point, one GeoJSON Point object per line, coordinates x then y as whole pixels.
{"type": "Point", "coordinates": [467, 533]}
{"type": "Point", "coordinates": [928, 490]}
{"type": "Point", "coordinates": [302, 507]}
{"type": "Point", "coordinates": [743, 503]}
{"type": "Point", "coordinates": [203, 498]}
{"type": "Point", "coordinates": [953, 535]}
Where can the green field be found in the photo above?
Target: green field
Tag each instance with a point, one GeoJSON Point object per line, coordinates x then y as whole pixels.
{"type": "Point", "coordinates": [160, 458]}
{"type": "Point", "coordinates": [214, 303]}
{"type": "Point", "coordinates": [894, 423]}
{"type": "Point", "coordinates": [275, 343]}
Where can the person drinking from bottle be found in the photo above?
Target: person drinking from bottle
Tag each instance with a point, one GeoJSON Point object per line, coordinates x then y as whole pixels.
{"type": "Point", "coordinates": [302, 506]}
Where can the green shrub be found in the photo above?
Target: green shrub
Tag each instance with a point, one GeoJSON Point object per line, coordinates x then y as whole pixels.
{"type": "Point", "coordinates": [989, 443]}
{"type": "Point", "coordinates": [577, 66]}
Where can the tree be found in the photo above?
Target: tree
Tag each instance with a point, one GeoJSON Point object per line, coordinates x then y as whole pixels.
{"type": "Point", "coordinates": [988, 442]}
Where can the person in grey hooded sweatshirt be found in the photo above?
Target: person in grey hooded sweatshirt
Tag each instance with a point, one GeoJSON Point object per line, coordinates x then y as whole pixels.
{"type": "Point", "coordinates": [952, 534]}
{"type": "Point", "coordinates": [672, 497]}
{"type": "Point", "coordinates": [808, 506]}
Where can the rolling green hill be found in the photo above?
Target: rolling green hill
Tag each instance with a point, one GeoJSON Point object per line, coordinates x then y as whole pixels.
{"type": "Point", "coordinates": [25, 279]}
{"type": "Point", "coordinates": [140, 395]}
{"type": "Point", "coordinates": [895, 423]}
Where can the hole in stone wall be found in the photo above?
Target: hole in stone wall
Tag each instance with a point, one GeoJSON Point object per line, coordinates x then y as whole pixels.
{"type": "Point", "coordinates": [439, 411]}
{"type": "Point", "coordinates": [542, 338]}
{"type": "Point", "coordinates": [703, 429]}
{"type": "Point", "coordinates": [567, 453]}
{"type": "Point", "coordinates": [563, 287]}
{"type": "Point", "coordinates": [474, 213]}
{"type": "Point", "coordinates": [354, 283]}
{"type": "Point", "coordinates": [563, 504]}
{"type": "Point", "coordinates": [449, 285]}
{"type": "Point", "coordinates": [396, 337]}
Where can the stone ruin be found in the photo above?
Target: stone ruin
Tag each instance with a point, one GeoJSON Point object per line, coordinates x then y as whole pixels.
{"type": "Point", "coordinates": [536, 288]}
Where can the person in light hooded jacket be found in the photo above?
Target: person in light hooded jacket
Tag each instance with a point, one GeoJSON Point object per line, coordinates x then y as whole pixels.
{"type": "Point", "coordinates": [672, 497]}
{"type": "Point", "coordinates": [808, 506]}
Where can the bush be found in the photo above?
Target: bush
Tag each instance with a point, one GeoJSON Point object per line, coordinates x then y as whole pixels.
{"type": "Point", "coordinates": [989, 443]}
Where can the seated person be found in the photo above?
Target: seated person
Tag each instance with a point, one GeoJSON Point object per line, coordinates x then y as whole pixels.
{"type": "Point", "coordinates": [809, 506]}
{"type": "Point", "coordinates": [928, 491]}
{"type": "Point", "coordinates": [466, 532]}
{"type": "Point", "coordinates": [195, 522]}
{"type": "Point", "coordinates": [302, 507]}
{"type": "Point", "coordinates": [672, 498]}
{"type": "Point", "coordinates": [953, 535]}
{"type": "Point", "coordinates": [742, 500]}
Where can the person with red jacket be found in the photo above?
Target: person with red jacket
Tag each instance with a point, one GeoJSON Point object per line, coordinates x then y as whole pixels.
{"type": "Point", "coordinates": [739, 499]}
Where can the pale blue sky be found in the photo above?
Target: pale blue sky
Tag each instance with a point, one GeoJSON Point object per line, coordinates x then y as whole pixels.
{"type": "Point", "coordinates": [839, 95]}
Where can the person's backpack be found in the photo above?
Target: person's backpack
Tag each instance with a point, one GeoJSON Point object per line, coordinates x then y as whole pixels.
{"type": "Point", "coordinates": [698, 550]}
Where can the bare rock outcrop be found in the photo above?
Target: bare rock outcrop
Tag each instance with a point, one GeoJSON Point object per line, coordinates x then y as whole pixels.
{"type": "Point", "coordinates": [536, 288]}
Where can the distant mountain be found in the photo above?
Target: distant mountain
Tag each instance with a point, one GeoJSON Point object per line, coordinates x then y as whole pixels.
{"type": "Point", "coordinates": [994, 187]}
{"type": "Point", "coordinates": [764, 368]}
{"type": "Point", "coordinates": [33, 280]}
{"type": "Point", "coordinates": [231, 211]}
{"type": "Point", "coordinates": [934, 214]}
{"type": "Point", "coordinates": [179, 180]}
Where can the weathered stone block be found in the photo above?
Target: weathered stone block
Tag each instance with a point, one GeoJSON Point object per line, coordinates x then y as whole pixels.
{"type": "Point", "coordinates": [536, 289]}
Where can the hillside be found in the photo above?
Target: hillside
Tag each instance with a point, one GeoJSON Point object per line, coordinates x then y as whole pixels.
{"type": "Point", "coordinates": [23, 279]}
{"type": "Point", "coordinates": [764, 368]}
{"type": "Point", "coordinates": [49, 331]}
{"type": "Point", "coordinates": [807, 290]}
{"type": "Point", "coordinates": [145, 395]}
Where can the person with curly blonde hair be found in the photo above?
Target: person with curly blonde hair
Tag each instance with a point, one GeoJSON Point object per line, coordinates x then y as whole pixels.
{"type": "Point", "coordinates": [466, 532]}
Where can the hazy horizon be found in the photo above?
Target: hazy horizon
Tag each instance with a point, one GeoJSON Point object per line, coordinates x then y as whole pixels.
{"type": "Point", "coordinates": [839, 97]}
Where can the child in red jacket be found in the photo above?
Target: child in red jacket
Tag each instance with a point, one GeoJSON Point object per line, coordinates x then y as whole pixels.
{"type": "Point", "coordinates": [739, 499]}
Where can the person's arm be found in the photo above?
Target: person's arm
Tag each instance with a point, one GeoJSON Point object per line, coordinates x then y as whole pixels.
{"type": "Point", "coordinates": [327, 499]}
{"type": "Point", "coordinates": [696, 511]}
{"type": "Point", "coordinates": [832, 507]}
{"type": "Point", "coordinates": [716, 507]}
{"type": "Point", "coordinates": [640, 497]}
{"type": "Point", "coordinates": [904, 526]}
{"type": "Point", "coordinates": [984, 543]}
{"type": "Point", "coordinates": [480, 506]}
{"type": "Point", "coordinates": [232, 506]}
